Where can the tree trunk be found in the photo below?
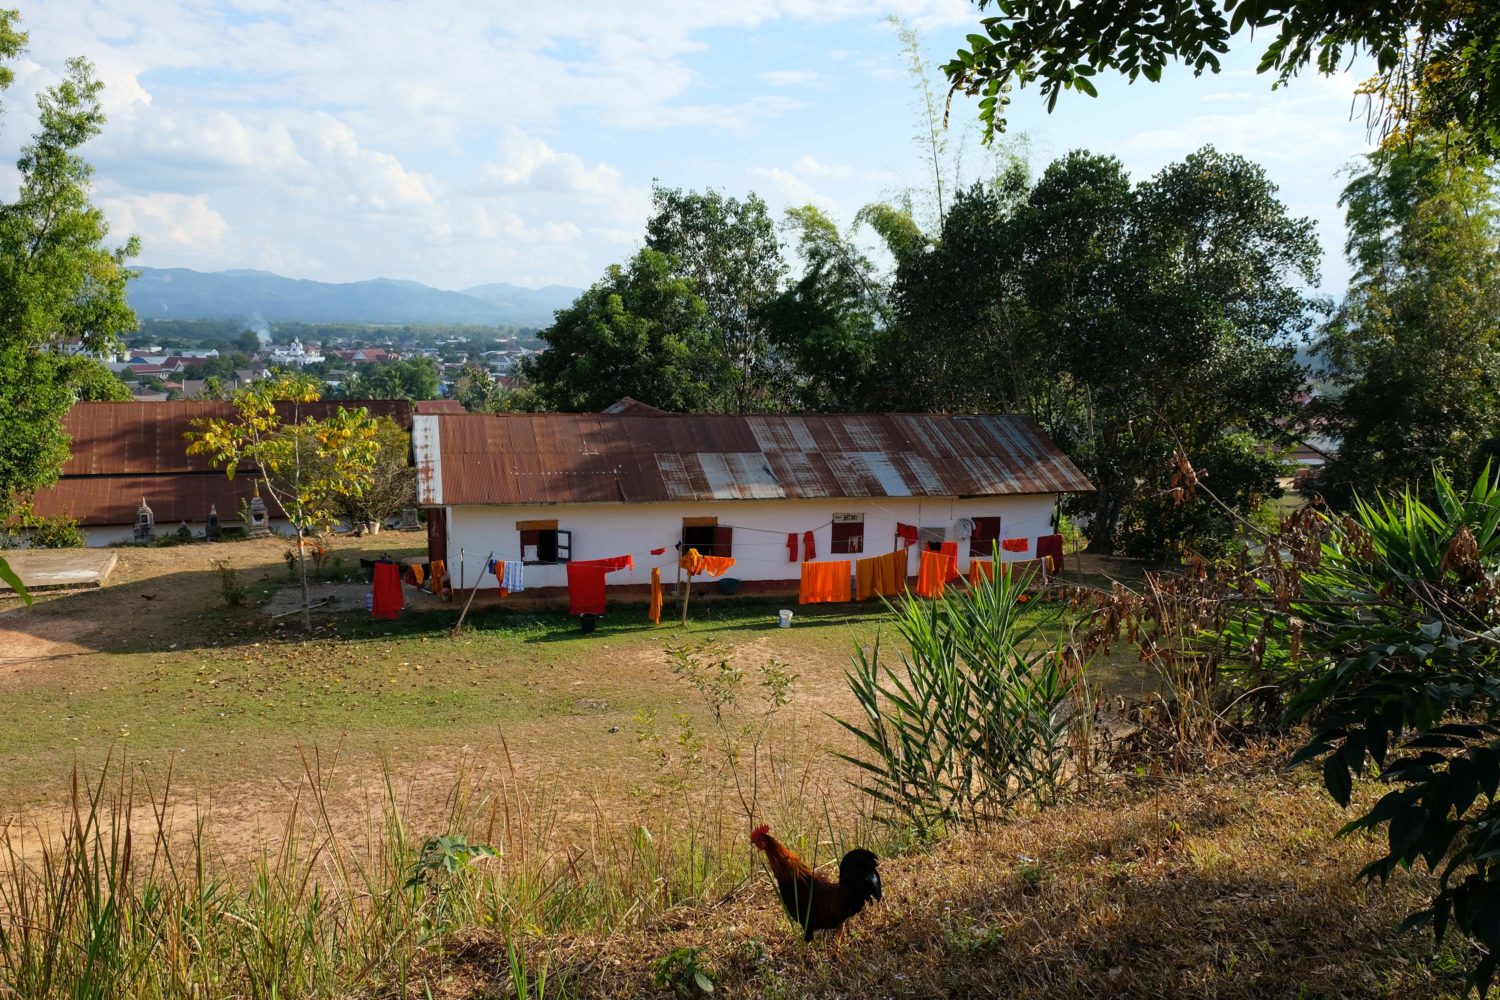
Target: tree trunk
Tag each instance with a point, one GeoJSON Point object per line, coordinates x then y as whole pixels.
{"type": "Point", "coordinates": [302, 560]}
{"type": "Point", "coordinates": [1106, 516]}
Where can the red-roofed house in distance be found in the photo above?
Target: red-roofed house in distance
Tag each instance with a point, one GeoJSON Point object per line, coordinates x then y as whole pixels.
{"type": "Point", "coordinates": [124, 453]}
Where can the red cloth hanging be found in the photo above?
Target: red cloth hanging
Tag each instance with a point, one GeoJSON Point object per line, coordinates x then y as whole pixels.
{"type": "Point", "coordinates": [657, 552]}
{"type": "Point", "coordinates": [586, 588]}
{"type": "Point", "coordinates": [609, 565]}
{"type": "Point", "coordinates": [907, 533]}
{"type": "Point", "coordinates": [586, 583]}
{"type": "Point", "coordinates": [386, 599]}
{"type": "Point", "coordinates": [791, 546]}
{"type": "Point", "coordinates": [809, 547]}
{"type": "Point", "coordinates": [1015, 545]}
{"type": "Point", "coordinates": [1049, 549]}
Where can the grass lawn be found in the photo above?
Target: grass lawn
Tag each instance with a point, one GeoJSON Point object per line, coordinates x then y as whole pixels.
{"type": "Point", "coordinates": [154, 669]}
{"type": "Point", "coordinates": [1227, 884]}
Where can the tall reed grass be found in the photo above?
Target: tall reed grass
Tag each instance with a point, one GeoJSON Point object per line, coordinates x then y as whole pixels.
{"type": "Point", "coordinates": [977, 715]}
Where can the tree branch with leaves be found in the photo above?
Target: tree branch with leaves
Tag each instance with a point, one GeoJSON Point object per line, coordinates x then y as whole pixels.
{"type": "Point", "coordinates": [308, 465]}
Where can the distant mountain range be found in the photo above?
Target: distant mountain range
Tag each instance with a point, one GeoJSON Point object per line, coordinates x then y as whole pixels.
{"type": "Point", "coordinates": [180, 293]}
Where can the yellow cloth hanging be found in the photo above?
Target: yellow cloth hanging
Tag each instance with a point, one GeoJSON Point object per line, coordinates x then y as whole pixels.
{"type": "Point", "coordinates": [884, 575]}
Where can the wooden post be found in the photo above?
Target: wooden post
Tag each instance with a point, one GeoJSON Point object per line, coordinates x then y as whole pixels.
{"type": "Point", "coordinates": [465, 611]}
{"type": "Point", "coordinates": [686, 592]}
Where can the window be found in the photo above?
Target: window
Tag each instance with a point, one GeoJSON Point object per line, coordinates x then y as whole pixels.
{"type": "Point", "coordinates": [848, 534]}
{"type": "Point", "coordinates": [544, 542]}
{"type": "Point", "coordinates": [985, 537]}
{"type": "Point", "coordinates": [707, 536]}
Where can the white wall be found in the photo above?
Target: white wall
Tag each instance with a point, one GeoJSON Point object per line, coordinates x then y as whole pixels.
{"type": "Point", "coordinates": [100, 535]}
{"type": "Point", "coordinates": [604, 530]}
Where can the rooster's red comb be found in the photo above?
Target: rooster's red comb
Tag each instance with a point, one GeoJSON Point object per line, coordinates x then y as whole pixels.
{"type": "Point", "coordinates": [759, 834]}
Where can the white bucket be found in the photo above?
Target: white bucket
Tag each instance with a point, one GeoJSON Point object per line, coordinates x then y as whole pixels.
{"type": "Point", "coordinates": [785, 619]}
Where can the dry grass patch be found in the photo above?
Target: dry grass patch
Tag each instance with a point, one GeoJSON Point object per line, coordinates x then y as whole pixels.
{"type": "Point", "coordinates": [1221, 886]}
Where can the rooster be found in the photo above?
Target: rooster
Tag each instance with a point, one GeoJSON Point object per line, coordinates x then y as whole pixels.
{"type": "Point", "coordinates": [812, 901]}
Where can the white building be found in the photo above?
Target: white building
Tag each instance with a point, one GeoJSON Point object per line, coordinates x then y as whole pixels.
{"type": "Point", "coordinates": [295, 354]}
{"type": "Point", "coordinates": [547, 489]}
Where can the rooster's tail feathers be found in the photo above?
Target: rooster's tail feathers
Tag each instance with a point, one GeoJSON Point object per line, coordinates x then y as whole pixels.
{"type": "Point", "coordinates": [859, 880]}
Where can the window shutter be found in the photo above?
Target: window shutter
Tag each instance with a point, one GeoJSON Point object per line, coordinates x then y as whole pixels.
{"type": "Point", "coordinates": [564, 545]}
{"type": "Point", "coordinates": [723, 541]}
{"type": "Point", "coordinates": [986, 534]}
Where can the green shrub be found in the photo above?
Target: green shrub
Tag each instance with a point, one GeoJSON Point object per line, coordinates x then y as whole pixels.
{"type": "Point", "coordinates": [235, 592]}
{"type": "Point", "coordinates": [977, 717]}
{"type": "Point", "coordinates": [172, 539]}
{"type": "Point", "coordinates": [1386, 626]}
{"type": "Point", "coordinates": [54, 532]}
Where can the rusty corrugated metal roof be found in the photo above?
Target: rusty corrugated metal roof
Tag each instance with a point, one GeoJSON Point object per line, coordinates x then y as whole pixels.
{"type": "Point", "coordinates": [123, 451]}
{"type": "Point", "coordinates": [629, 404]}
{"type": "Point", "coordinates": [602, 458]}
{"type": "Point", "coordinates": [112, 439]}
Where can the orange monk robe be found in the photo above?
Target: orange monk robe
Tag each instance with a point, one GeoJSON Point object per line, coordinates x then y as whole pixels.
{"type": "Point", "coordinates": [654, 613]}
{"type": "Point", "coordinates": [696, 562]}
{"type": "Point", "coordinates": [884, 575]}
{"type": "Point", "coordinates": [825, 582]}
{"type": "Point", "coordinates": [950, 549]}
{"type": "Point", "coordinates": [934, 574]}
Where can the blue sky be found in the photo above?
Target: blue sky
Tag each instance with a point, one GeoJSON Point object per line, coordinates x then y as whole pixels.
{"type": "Point", "coordinates": [456, 143]}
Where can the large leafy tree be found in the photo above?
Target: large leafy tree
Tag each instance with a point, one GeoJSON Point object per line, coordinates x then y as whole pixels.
{"type": "Point", "coordinates": [390, 485]}
{"type": "Point", "coordinates": [474, 387]}
{"type": "Point", "coordinates": [827, 322]}
{"type": "Point", "coordinates": [1178, 332]}
{"type": "Point", "coordinates": [93, 382]}
{"type": "Point", "coordinates": [956, 342]}
{"type": "Point", "coordinates": [1173, 309]}
{"type": "Point", "coordinates": [641, 331]}
{"type": "Point", "coordinates": [58, 277]}
{"type": "Point", "coordinates": [1437, 61]}
{"type": "Point", "coordinates": [1134, 321]}
{"type": "Point", "coordinates": [729, 250]}
{"type": "Point", "coordinates": [1414, 350]}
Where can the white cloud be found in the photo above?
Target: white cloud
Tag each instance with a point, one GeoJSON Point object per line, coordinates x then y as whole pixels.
{"type": "Point", "coordinates": [810, 167]}
{"type": "Point", "coordinates": [374, 180]}
{"type": "Point", "coordinates": [789, 77]}
{"type": "Point", "coordinates": [185, 223]}
{"type": "Point", "coordinates": [1294, 126]}
{"type": "Point", "coordinates": [527, 163]}
{"type": "Point", "coordinates": [794, 190]}
{"type": "Point", "coordinates": [474, 140]}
